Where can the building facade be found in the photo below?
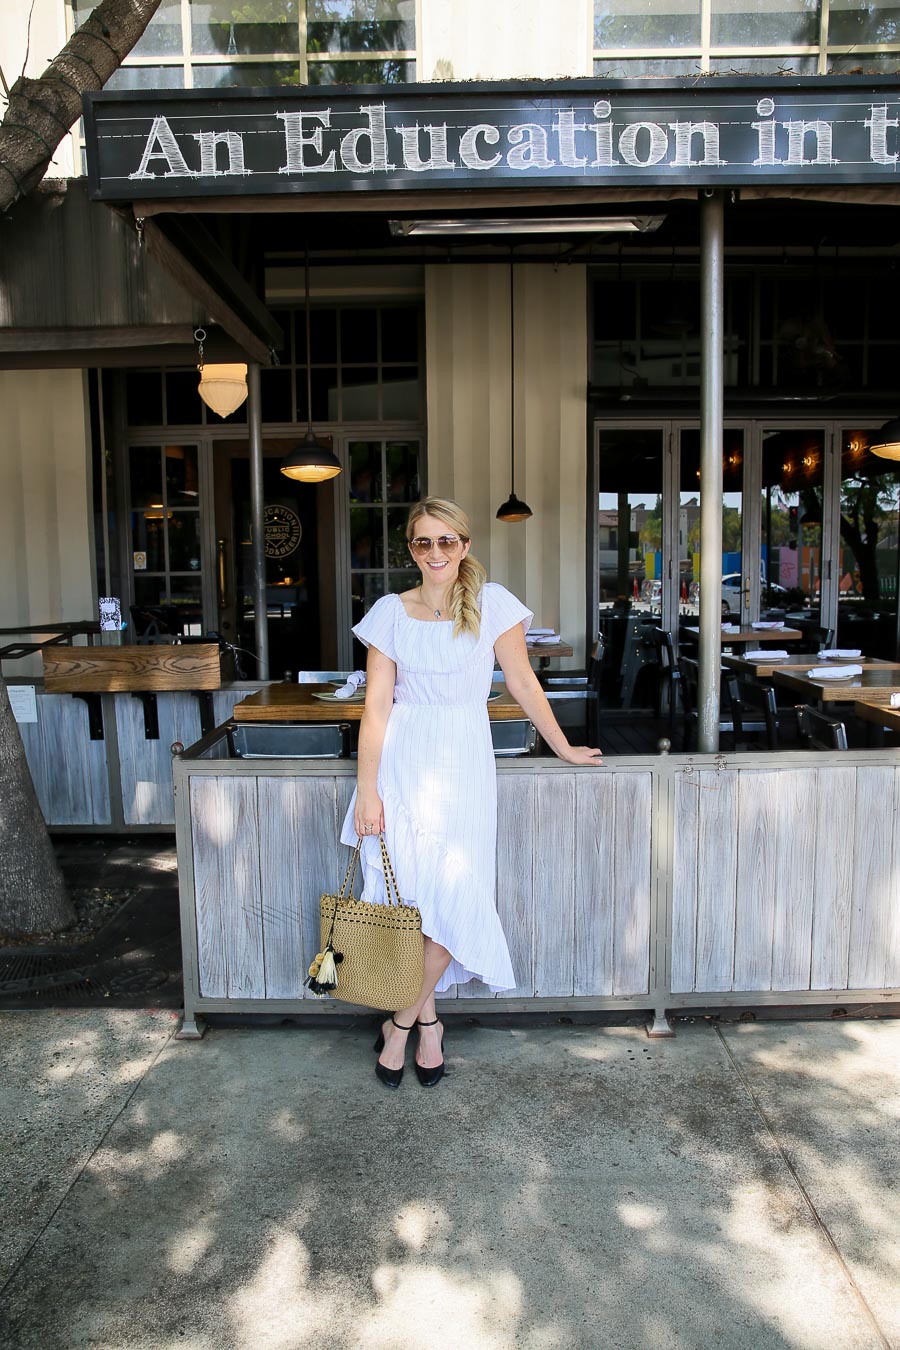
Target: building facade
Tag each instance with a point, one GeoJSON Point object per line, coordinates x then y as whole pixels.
{"type": "Point", "coordinates": [431, 359]}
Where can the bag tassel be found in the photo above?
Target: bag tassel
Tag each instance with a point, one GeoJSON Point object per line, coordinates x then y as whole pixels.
{"type": "Point", "coordinates": [322, 976]}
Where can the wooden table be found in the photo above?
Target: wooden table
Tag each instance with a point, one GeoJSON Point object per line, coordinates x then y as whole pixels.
{"type": "Point", "coordinates": [133, 669]}
{"type": "Point", "coordinates": [875, 685]}
{"type": "Point", "coordinates": [879, 713]}
{"type": "Point", "coordinates": [763, 669]}
{"type": "Point", "coordinates": [757, 635]}
{"type": "Point", "coordinates": [546, 651]}
{"type": "Point", "coordinates": [295, 703]}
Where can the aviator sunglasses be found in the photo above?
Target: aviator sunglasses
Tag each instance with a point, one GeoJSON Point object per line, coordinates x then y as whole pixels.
{"type": "Point", "coordinates": [421, 546]}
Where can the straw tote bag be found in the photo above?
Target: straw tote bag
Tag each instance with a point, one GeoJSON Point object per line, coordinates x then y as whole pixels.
{"type": "Point", "coordinates": [370, 954]}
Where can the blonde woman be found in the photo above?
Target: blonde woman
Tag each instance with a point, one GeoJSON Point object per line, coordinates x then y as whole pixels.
{"type": "Point", "coordinates": [426, 773]}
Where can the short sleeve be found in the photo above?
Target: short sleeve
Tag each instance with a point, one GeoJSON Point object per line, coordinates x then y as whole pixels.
{"type": "Point", "coordinates": [376, 629]}
{"type": "Point", "coordinates": [503, 611]}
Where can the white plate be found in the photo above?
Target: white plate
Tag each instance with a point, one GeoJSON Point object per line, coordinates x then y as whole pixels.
{"type": "Point", "coordinates": [330, 698]}
{"type": "Point", "coordinates": [834, 675]}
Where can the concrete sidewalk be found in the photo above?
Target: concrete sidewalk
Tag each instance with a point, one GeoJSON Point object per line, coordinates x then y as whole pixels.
{"type": "Point", "coordinates": [563, 1187]}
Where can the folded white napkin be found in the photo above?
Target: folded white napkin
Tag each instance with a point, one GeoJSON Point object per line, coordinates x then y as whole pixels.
{"type": "Point", "coordinates": [846, 652]}
{"type": "Point", "coordinates": [546, 640]}
{"type": "Point", "coordinates": [540, 632]}
{"type": "Point", "coordinates": [354, 682]}
{"type": "Point", "coordinates": [761, 654]}
{"type": "Point", "coordinates": [731, 627]}
{"type": "Point", "coordinates": [833, 672]}
{"type": "Point", "coordinates": [767, 624]}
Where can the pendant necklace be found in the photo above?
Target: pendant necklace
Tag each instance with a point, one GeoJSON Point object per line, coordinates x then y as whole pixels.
{"type": "Point", "coordinates": [435, 612]}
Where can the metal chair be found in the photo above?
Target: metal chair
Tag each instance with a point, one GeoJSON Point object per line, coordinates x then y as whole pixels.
{"type": "Point", "coordinates": [818, 731]}
{"type": "Point", "coordinates": [817, 639]}
{"type": "Point", "coordinates": [669, 695]}
{"type": "Point", "coordinates": [580, 692]}
{"type": "Point", "coordinates": [753, 698]}
{"type": "Point", "coordinates": [689, 671]}
{"type": "Point", "coordinates": [517, 736]}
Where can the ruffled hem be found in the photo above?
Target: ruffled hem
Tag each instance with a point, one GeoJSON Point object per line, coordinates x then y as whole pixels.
{"type": "Point", "coordinates": [426, 854]}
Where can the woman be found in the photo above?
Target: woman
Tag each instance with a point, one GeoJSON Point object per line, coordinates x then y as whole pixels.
{"type": "Point", "coordinates": [426, 773]}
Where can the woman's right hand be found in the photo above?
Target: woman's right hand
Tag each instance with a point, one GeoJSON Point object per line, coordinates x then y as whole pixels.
{"type": "Point", "coordinates": [368, 817]}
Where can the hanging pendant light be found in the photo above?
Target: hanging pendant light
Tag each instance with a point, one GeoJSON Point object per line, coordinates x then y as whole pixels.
{"type": "Point", "coordinates": [223, 388]}
{"type": "Point", "coordinates": [512, 509]}
{"type": "Point", "coordinates": [310, 461]}
{"type": "Point", "coordinates": [886, 442]}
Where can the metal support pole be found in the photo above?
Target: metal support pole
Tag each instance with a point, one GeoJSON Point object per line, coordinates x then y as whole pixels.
{"type": "Point", "coordinates": [712, 328]}
{"type": "Point", "coordinates": [260, 605]}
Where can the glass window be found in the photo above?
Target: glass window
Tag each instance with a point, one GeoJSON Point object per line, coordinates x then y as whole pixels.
{"type": "Point", "coordinates": [399, 334]}
{"type": "Point", "coordinates": [764, 65]}
{"type": "Point", "coordinates": [182, 486]}
{"type": "Point", "coordinates": [402, 458]}
{"type": "Point", "coordinates": [400, 394]}
{"type": "Point", "coordinates": [361, 72]}
{"type": "Point", "coordinates": [361, 25]}
{"type": "Point", "coordinates": [246, 75]}
{"type": "Point", "coordinates": [869, 540]}
{"type": "Point", "coordinates": [734, 595]}
{"type": "Point", "coordinates": [635, 23]}
{"type": "Point", "coordinates": [764, 23]}
{"type": "Point", "coordinates": [863, 21]}
{"type": "Point", "coordinates": [146, 476]}
{"type": "Point", "coordinates": [359, 335]}
{"type": "Point", "coordinates": [615, 68]}
{"type": "Point", "coordinates": [867, 64]}
{"type": "Point", "coordinates": [146, 77]}
{"type": "Point", "coordinates": [184, 406]}
{"type": "Point", "coordinates": [276, 395]}
{"type": "Point", "coordinates": [162, 36]}
{"type": "Point", "coordinates": [374, 523]}
{"type": "Point", "coordinates": [184, 541]}
{"type": "Point", "coordinates": [365, 471]}
{"type": "Point", "coordinates": [143, 398]}
{"type": "Point", "coordinates": [791, 518]}
{"type": "Point", "coordinates": [221, 26]}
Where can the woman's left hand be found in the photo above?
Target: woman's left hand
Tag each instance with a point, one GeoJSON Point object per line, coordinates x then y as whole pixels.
{"type": "Point", "coordinates": [581, 754]}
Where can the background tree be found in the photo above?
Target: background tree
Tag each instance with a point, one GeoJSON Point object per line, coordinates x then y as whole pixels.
{"type": "Point", "coordinates": [41, 112]}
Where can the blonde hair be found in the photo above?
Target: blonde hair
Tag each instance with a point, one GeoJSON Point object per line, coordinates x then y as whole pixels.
{"type": "Point", "coordinates": [466, 589]}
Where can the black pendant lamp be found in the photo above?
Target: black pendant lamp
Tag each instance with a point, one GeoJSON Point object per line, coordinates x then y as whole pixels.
{"type": "Point", "coordinates": [512, 509]}
{"type": "Point", "coordinates": [310, 461]}
{"type": "Point", "coordinates": [886, 442]}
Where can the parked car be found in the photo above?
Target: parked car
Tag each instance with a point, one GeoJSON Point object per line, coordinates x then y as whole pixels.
{"type": "Point", "coordinates": [771, 592]}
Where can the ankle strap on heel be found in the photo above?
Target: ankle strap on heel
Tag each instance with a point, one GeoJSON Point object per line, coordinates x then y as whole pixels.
{"type": "Point", "coordinates": [399, 1025]}
{"type": "Point", "coordinates": [427, 1024]}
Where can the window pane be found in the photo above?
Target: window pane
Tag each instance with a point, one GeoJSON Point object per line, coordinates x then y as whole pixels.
{"type": "Point", "coordinates": [634, 23]}
{"type": "Point", "coordinates": [146, 77]}
{"type": "Point", "coordinates": [148, 535]}
{"type": "Point", "coordinates": [398, 582]}
{"type": "Point", "coordinates": [365, 471]}
{"type": "Point", "coordinates": [324, 395]}
{"type": "Point", "coordinates": [359, 335]}
{"type": "Point", "coordinates": [361, 72]}
{"type": "Point", "coordinates": [275, 395]}
{"type": "Point", "coordinates": [149, 591]}
{"type": "Point", "coordinates": [243, 76]}
{"type": "Point", "coordinates": [403, 471]}
{"type": "Point", "coordinates": [791, 528]}
{"type": "Point", "coordinates": [734, 599]}
{"type": "Point", "coordinates": [163, 33]}
{"type": "Point", "coordinates": [359, 401]}
{"type": "Point", "coordinates": [629, 524]}
{"type": "Point", "coordinates": [184, 406]}
{"type": "Point", "coordinates": [863, 21]}
{"type": "Point", "coordinates": [181, 475]}
{"type": "Point", "coordinates": [361, 25]}
{"type": "Point", "coordinates": [399, 334]}
{"type": "Point", "coordinates": [868, 63]}
{"type": "Point", "coordinates": [184, 541]}
{"type": "Point", "coordinates": [763, 65]}
{"type": "Point", "coordinates": [400, 394]}
{"type": "Point", "coordinates": [323, 331]}
{"type": "Point", "coordinates": [398, 553]}
{"type": "Point", "coordinates": [146, 476]}
{"type": "Point", "coordinates": [613, 68]}
{"type": "Point", "coordinates": [366, 545]}
{"type": "Point", "coordinates": [143, 395]}
{"type": "Point", "coordinates": [870, 512]}
{"type": "Point", "coordinates": [765, 23]}
{"type": "Point", "coordinates": [234, 30]}
{"type": "Point", "coordinates": [186, 592]}
{"type": "Point", "coordinates": [365, 589]}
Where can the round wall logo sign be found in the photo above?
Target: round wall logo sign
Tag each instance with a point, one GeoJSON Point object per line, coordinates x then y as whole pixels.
{"type": "Point", "coordinates": [283, 531]}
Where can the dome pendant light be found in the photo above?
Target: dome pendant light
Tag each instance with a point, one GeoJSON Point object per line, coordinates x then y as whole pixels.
{"type": "Point", "coordinates": [512, 509]}
{"type": "Point", "coordinates": [223, 388]}
{"type": "Point", "coordinates": [310, 461]}
{"type": "Point", "coordinates": [886, 442]}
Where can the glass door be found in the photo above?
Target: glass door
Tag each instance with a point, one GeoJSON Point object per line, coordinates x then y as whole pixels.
{"type": "Point", "coordinates": [737, 592]}
{"type": "Point", "coordinates": [793, 463]}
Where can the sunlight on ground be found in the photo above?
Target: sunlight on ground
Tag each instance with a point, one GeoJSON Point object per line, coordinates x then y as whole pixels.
{"type": "Point", "coordinates": [425, 1308]}
{"type": "Point", "coordinates": [418, 1224]}
{"type": "Point", "coordinates": [276, 1310]}
{"type": "Point", "coordinates": [187, 1249]}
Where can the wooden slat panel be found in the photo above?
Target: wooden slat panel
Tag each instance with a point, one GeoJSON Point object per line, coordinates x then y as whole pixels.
{"type": "Point", "coordinates": [280, 847]}
{"type": "Point", "coordinates": [595, 892]}
{"type": "Point", "coordinates": [554, 885]}
{"type": "Point", "coordinates": [716, 878]}
{"type": "Point", "coordinates": [74, 767]}
{"type": "Point", "coordinates": [515, 888]}
{"type": "Point", "coordinates": [874, 889]}
{"type": "Point", "coordinates": [632, 833]}
{"type": "Point", "coordinates": [833, 890]}
{"type": "Point", "coordinates": [684, 882]}
{"type": "Point", "coordinates": [227, 885]}
{"type": "Point", "coordinates": [146, 765]}
{"type": "Point", "coordinates": [756, 870]}
{"type": "Point", "coordinates": [892, 947]}
{"type": "Point", "coordinates": [795, 879]}
{"type": "Point", "coordinates": [224, 701]}
{"type": "Point", "coordinates": [33, 745]}
{"type": "Point", "coordinates": [205, 837]}
{"type": "Point", "coordinates": [320, 863]}
{"type": "Point", "coordinates": [109, 669]}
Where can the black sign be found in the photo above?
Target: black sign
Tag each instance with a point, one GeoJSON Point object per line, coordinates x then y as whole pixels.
{"type": "Point", "coordinates": [576, 134]}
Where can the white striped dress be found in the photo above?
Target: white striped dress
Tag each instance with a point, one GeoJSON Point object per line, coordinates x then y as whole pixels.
{"type": "Point", "coordinates": [438, 781]}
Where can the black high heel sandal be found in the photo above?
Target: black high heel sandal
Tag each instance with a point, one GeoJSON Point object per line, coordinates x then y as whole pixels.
{"type": "Point", "coordinates": [431, 1077]}
{"type": "Point", "coordinates": [390, 1077]}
